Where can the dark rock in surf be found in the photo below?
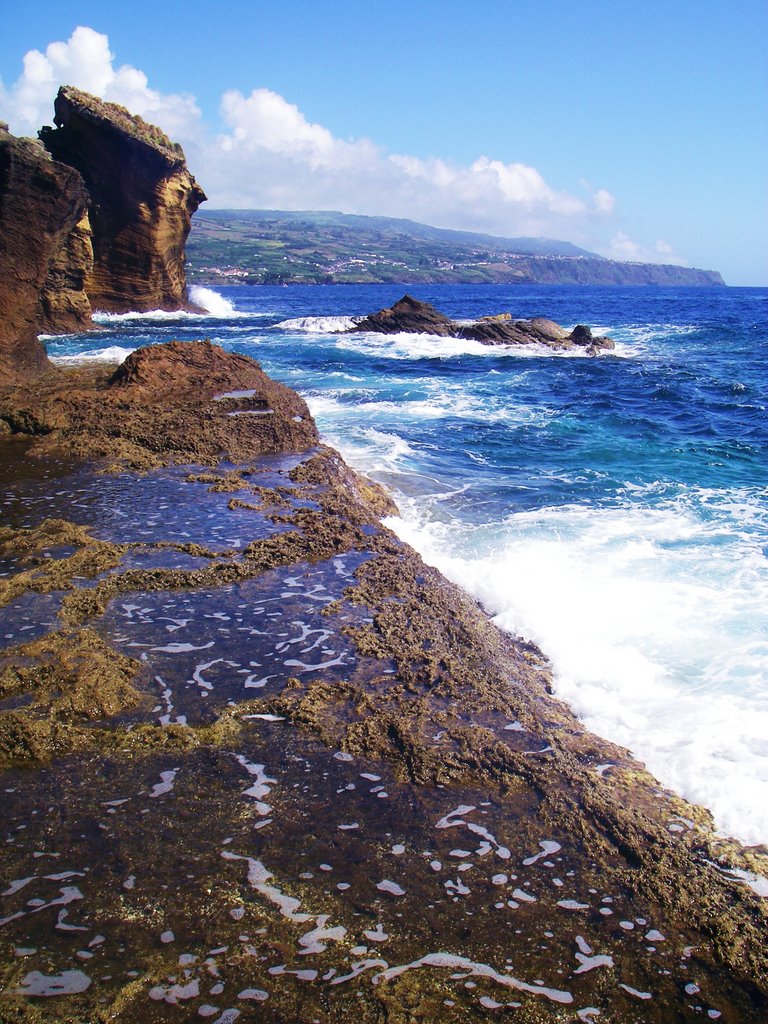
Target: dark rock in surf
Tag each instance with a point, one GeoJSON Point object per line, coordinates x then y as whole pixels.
{"type": "Point", "coordinates": [411, 316]}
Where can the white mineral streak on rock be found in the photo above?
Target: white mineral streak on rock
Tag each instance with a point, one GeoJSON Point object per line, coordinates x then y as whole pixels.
{"type": "Point", "coordinates": [634, 992]}
{"type": "Point", "coordinates": [523, 896]}
{"type": "Point", "coordinates": [258, 877]}
{"type": "Point", "coordinates": [377, 935]}
{"type": "Point", "coordinates": [548, 847]}
{"type": "Point", "coordinates": [258, 994]}
{"type": "Point", "coordinates": [261, 787]}
{"type": "Point", "coordinates": [197, 675]}
{"type": "Point", "coordinates": [65, 984]}
{"type": "Point", "coordinates": [17, 884]}
{"type": "Point", "coordinates": [358, 968]}
{"type": "Point", "coordinates": [456, 817]}
{"type": "Point", "coordinates": [453, 962]}
{"type": "Point", "coordinates": [303, 667]}
{"type": "Point", "coordinates": [313, 941]}
{"type": "Point", "coordinates": [173, 993]}
{"type": "Point", "coordinates": [588, 962]}
{"type": "Point", "coordinates": [448, 820]}
{"type": "Point", "coordinates": [182, 648]}
{"type": "Point", "coordinates": [587, 1013]}
{"type": "Point", "coordinates": [166, 785]}
{"type": "Point", "coordinates": [68, 894]}
{"type": "Point", "coordinates": [572, 905]}
{"type": "Point", "coordinates": [391, 887]}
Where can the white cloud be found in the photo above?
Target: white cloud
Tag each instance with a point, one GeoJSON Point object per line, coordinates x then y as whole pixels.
{"type": "Point", "coordinates": [604, 201]}
{"type": "Point", "coordinates": [270, 156]}
{"type": "Point", "coordinates": [622, 247]}
{"type": "Point", "coordinates": [86, 61]}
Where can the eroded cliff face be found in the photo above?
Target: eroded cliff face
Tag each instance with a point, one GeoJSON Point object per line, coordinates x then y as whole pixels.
{"type": "Point", "coordinates": [41, 202]}
{"type": "Point", "coordinates": [142, 201]}
{"type": "Point", "coordinates": [64, 304]}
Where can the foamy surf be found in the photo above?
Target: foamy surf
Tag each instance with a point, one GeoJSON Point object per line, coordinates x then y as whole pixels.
{"type": "Point", "coordinates": [433, 346]}
{"type": "Point", "coordinates": [653, 621]}
{"type": "Point", "coordinates": [214, 306]}
{"type": "Point", "coordinates": [319, 324]}
{"type": "Point", "coordinates": [110, 354]}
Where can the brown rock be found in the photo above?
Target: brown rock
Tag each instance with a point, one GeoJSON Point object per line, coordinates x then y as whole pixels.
{"type": "Point", "coordinates": [412, 316]}
{"type": "Point", "coordinates": [182, 402]}
{"type": "Point", "coordinates": [143, 198]}
{"type": "Point", "coordinates": [64, 305]}
{"type": "Point", "coordinates": [41, 201]}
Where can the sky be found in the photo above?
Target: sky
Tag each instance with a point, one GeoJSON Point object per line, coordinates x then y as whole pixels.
{"type": "Point", "coordinates": [639, 131]}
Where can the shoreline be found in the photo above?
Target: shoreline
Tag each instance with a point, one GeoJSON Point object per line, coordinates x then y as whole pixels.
{"type": "Point", "coordinates": [413, 684]}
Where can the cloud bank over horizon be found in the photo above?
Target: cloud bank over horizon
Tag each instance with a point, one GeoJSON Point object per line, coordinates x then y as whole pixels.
{"type": "Point", "coordinates": [269, 156]}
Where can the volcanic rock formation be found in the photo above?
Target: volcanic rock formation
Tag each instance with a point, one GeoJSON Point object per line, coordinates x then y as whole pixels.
{"type": "Point", "coordinates": [142, 201]}
{"type": "Point", "coordinates": [412, 316]}
{"type": "Point", "coordinates": [42, 204]}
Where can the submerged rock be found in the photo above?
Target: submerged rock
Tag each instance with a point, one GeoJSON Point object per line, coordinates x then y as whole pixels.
{"type": "Point", "coordinates": [142, 201]}
{"type": "Point", "coordinates": [409, 315]}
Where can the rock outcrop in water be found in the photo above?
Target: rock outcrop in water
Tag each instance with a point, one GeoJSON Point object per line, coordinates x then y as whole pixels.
{"type": "Point", "coordinates": [411, 316]}
{"type": "Point", "coordinates": [142, 201]}
{"type": "Point", "coordinates": [42, 205]}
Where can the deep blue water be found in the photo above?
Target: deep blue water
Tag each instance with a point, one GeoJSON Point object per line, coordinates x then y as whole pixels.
{"type": "Point", "coordinates": [613, 509]}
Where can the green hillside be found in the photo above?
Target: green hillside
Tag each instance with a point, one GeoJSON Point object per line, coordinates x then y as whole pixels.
{"type": "Point", "coordinates": [278, 247]}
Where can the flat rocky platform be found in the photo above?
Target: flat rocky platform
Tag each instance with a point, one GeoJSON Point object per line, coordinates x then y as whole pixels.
{"type": "Point", "coordinates": [260, 763]}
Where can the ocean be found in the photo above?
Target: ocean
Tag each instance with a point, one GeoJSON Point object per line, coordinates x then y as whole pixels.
{"type": "Point", "coordinates": [613, 510]}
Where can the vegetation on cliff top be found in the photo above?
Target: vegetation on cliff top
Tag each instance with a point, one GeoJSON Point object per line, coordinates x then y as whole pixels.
{"type": "Point", "coordinates": [279, 247]}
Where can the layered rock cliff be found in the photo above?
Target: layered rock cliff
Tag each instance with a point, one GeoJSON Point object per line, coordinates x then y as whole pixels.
{"type": "Point", "coordinates": [42, 202]}
{"type": "Point", "coordinates": [142, 201]}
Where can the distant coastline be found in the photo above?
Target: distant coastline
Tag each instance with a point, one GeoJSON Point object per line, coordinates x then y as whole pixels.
{"type": "Point", "coordinates": [253, 247]}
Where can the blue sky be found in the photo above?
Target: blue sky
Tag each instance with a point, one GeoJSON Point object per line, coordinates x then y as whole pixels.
{"type": "Point", "coordinates": [639, 131]}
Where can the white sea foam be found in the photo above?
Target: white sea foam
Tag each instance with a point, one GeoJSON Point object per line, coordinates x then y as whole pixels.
{"type": "Point", "coordinates": [211, 301]}
{"type": "Point", "coordinates": [110, 354]}
{"type": "Point", "coordinates": [654, 620]}
{"type": "Point", "coordinates": [433, 346]}
{"type": "Point", "coordinates": [214, 306]}
{"type": "Point", "coordinates": [319, 324]}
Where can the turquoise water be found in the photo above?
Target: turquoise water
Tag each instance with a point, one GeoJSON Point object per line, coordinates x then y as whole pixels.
{"type": "Point", "coordinates": [614, 510]}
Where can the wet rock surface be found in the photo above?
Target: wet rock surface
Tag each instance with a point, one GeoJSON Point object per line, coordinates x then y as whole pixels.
{"type": "Point", "coordinates": [409, 315]}
{"type": "Point", "coordinates": [178, 402]}
{"type": "Point", "coordinates": [262, 763]}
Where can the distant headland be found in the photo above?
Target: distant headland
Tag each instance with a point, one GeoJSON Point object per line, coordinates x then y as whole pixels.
{"type": "Point", "coordinates": [280, 247]}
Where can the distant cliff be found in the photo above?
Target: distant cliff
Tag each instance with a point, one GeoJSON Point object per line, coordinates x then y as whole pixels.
{"type": "Point", "coordinates": [280, 247]}
{"type": "Point", "coordinates": [95, 216]}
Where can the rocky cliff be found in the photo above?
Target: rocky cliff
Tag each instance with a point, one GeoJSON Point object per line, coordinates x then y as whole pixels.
{"type": "Point", "coordinates": [142, 201]}
{"type": "Point", "coordinates": [42, 202]}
